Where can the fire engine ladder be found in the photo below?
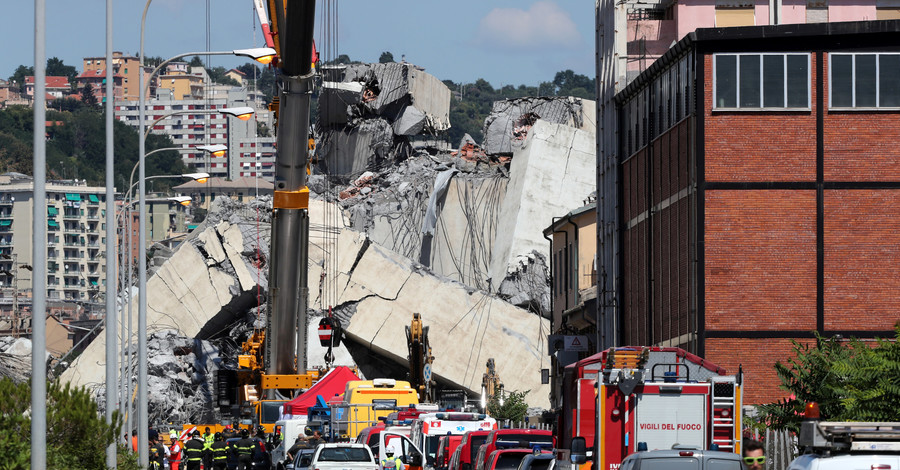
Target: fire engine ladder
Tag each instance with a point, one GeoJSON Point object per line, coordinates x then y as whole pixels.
{"type": "Point", "coordinates": [725, 412]}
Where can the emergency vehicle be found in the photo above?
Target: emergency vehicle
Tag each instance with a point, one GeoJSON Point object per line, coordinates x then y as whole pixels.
{"type": "Point", "coordinates": [652, 396]}
{"type": "Point", "coordinates": [430, 427]}
{"type": "Point", "coordinates": [831, 445]}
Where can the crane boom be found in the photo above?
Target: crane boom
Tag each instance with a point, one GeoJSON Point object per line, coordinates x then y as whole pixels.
{"type": "Point", "coordinates": [288, 292]}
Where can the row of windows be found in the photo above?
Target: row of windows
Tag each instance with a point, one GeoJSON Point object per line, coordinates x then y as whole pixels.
{"type": "Point", "coordinates": [659, 106]}
{"type": "Point", "coordinates": [782, 81]}
{"type": "Point", "coordinates": [760, 81]}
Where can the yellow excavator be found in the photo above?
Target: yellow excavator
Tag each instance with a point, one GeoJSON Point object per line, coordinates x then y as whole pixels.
{"type": "Point", "coordinates": [420, 360]}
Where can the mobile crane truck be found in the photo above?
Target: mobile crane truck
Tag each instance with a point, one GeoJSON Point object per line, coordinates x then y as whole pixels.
{"type": "Point", "coordinates": [623, 400]}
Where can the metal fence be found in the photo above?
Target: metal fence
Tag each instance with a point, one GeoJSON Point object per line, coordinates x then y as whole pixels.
{"type": "Point", "coordinates": [781, 449]}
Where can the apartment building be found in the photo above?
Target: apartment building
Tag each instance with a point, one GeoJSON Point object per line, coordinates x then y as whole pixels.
{"type": "Point", "coordinates": [96, 80]}
{"type": "Point", "coordinates": [76, 241]}
{"type": "Point", "coordinates": [125, 66]}
{"type": "Point", "coordinates": [759, 186]}
{"type": "Point", "coordinates": [255, 159]}
{"type": "Point", "coordinates": [188, 130]}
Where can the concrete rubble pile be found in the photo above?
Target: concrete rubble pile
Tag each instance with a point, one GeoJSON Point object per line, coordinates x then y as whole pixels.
{"type": "Point", "coordinates": [15, 358]}
{"type": "Point", "coordinates": [207, 291]}
{"type": "Point", "coordinates": [455, 238]}
{"type": "Point", "coordinates": [480, 223]}
{"type": "Point", "coordinates": [368, 112]}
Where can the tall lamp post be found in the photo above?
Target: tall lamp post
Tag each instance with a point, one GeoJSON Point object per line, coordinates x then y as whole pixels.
{"type": "Point", "coordinates": [263, 55]}
{"type": "Point", "coordinates": [126, 343]}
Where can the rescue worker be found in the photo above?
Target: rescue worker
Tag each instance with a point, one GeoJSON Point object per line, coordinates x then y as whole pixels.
{"type": "Point", "coordinates": [193, 451]}
{"type": "Point", "coordinates": [174, 451]}
{"type": "Point", "coordinates": [245, 448]}
{"type": "Point", "coordinates": [391, 463]}
{"type": "Point", "coordinates": [260, 451]}
{"type": "Point", "coordinates": [157, 451]}
{"type": "Point", "coordinates": [229, 433]}
{"type": "Point", "coordinates": [219, 450]}
{"type": "Point", "coordinates": [208, 439]}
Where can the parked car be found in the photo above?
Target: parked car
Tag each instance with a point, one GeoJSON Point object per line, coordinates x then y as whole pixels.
{"type": "Point", "coordinates": [343, 456]}
{"type": "Point", "coordinates": [301, 460]}
{"type": "Point", "coordinates": [541, 461]}
{"type": "Point", "coordinates": [683, 459]}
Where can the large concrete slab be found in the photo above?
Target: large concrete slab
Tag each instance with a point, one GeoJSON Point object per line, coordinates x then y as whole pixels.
{"type": "Point", "coordinates": [552, 173]}
{"type": "Point", "coordinates": [467, 326]}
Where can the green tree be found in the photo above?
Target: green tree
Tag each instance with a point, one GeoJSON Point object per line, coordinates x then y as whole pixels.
{"type": "Point", "coordinates": [851, 380]}
{"type": "Point", "coordinates": [87, 95]}
{"type": "Point", "coordinates": [18, 77]}
{"type": "Point", "coordinates": [196, 61]}
{"type": "Point", "coordinates": [386, 58]}
{"type": "Point", "coordinates": [77, 433]}
{"type": "Point", "coordinates": [56, 68]}
{"type": "Point", "coordinates": [217, 75]}
{"type": "Point", "coordinates": [514, 407]}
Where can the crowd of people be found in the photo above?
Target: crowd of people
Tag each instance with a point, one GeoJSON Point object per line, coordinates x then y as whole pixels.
{"type": "Point", "coordinates": [208, 450]}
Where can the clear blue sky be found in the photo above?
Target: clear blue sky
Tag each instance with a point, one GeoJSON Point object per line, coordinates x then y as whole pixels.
{"type": "Point", "coordinates": [503, 41]}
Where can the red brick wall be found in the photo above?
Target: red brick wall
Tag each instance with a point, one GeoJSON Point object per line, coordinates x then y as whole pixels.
{"type": "Point", "coordinates": [655, 247]}
{"type": "Point", "coordinates": [759, 146]}
{"type": "Point", "coordinates": [760, 252]}
{"type": "Point", "coordinates": [862, 259]}
{"type": "Point", "coordinates": [757, 356]}
{"type": "Point", "coordinates": [861, 146]}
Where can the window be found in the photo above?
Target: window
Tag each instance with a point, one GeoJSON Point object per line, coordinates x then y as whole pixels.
{"type": "Point", "coordinates": [737, 15]}
{"type": "Point", "coordinates": [864, 80]}
{"type": "Point", "coordinates": [761, 81]}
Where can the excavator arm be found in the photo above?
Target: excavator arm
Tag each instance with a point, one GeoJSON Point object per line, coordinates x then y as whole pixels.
{"type": "Point", "coordinates": [420, 359]}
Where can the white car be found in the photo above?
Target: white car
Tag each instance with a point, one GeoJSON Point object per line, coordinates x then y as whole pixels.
{"type": "Point", "coordinates": [846, 462]}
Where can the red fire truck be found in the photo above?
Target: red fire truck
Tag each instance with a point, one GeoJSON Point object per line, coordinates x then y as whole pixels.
{"type": "Point", "coordinates": [625, 399]}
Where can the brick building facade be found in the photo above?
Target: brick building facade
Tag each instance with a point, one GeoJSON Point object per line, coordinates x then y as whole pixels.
{"type": "Point", "coordinates": [760, 175]}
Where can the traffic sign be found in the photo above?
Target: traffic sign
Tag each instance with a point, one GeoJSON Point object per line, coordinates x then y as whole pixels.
{"type": "Point", "coordinates": [426, 372]}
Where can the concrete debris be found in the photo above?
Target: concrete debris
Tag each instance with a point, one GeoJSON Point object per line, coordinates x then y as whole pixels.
{"type": "Point", "coordinates": [528, 285]}
{"type": "Point", "coordinates": [15, 358]}
{"type": "Point", "coordinates": [550, 174]}
{"type": "Point", "coordinates": [368, 112]}
{"type": "Point", "coordinates": [182, 380]}
{"type": "Point", "coordinates": [367, 144]}
{"type": "Point", "coordinates": [508, 124]}
{"type": "Point", "coordinates": [470, 151]}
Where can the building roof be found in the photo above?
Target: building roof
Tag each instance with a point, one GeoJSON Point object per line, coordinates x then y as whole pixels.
{"type": "Point", "coordinates": [564, 219]}
{"type": "Point", "coordinates": [237, 72]}
{"type": "Point", "coordinates": [51, 82]}
{"type": "Point", "coordinates": [101, 73]}
{"type": "Point", "coordinates": [217, 183]}
{"type": "Point", "coordinates": [817, 36]}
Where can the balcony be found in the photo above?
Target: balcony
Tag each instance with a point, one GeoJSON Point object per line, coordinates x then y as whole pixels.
{"type": "Point", "coordinates": [71, 215]}
{"type": "Point", "coordinates": [93, 217]}
{"type": "Point", "coordinates": [6, 202]}
{"type": "Point", "coordinates": [74, 243]}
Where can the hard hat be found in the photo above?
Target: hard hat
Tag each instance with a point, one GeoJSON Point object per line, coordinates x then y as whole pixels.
{"type": "Point", "coordinates": [245, 433]}
{"type": "Point", "coordinates": [173, 434]}
{"type": "Point", "coordinates": [196, 433]}
{"type": "Point", "coordinates": [218, 436]}
{"type": "Point", "coordinates": [389, 452]}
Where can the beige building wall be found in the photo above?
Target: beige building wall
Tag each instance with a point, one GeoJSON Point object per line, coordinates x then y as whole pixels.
{"type": "Point", "coordinates": [572, 255]}
{"type": "Point", "coordinates": [127, 66]}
